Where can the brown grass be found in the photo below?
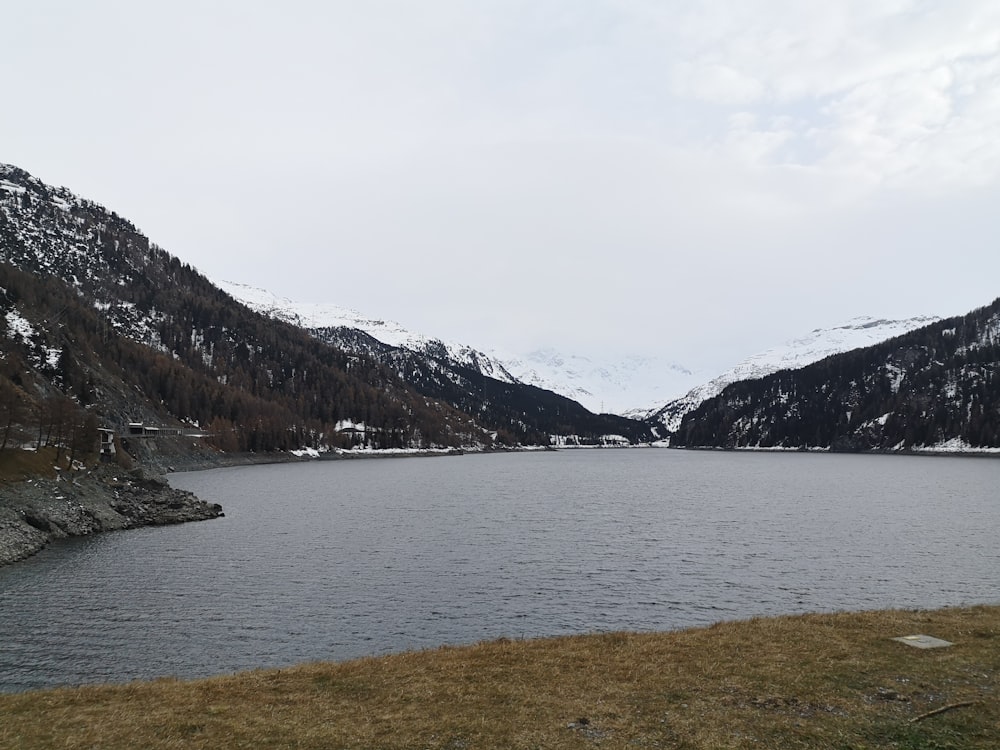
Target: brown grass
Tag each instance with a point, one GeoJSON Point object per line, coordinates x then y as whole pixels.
{"type": "Point", "coordinates": [17, 464]}
{"type": "Point", "coordinates": [816, 681]}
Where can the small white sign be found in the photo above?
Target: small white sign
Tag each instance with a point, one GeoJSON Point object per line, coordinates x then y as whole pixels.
{"type": "Point", "coordinates": [923, 641]}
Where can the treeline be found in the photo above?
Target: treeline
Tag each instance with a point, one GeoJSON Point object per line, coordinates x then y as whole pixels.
{"type": "Point", "coordinates": [924, 388]}
{"type": "Point", "coordinates": [50, 421]}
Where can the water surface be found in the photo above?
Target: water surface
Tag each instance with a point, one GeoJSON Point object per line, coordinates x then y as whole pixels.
{"type": "Point", "coordinates": [340, 559]}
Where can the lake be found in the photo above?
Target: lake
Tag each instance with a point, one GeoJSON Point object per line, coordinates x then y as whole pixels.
{"type": "Point", "coordinates": [332, 560]}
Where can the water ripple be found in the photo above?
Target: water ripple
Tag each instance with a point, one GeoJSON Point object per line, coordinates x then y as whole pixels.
{"type": "Point", "coordinates": [334, 560]}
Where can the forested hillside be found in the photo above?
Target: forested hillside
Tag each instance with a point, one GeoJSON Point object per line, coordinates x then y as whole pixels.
{"type": "Point", "coordinates": [95, 312]}
{"type": "Point", "coordinates": [114, 328]}
{"type": "Point", "coordinates": [937, 386]}
{"type": "Point", "coordinates": [521, 412]}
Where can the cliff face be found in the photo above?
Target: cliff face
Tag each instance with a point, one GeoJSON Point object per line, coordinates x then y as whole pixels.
{"type": "Point", "coordinates": [36, 511]}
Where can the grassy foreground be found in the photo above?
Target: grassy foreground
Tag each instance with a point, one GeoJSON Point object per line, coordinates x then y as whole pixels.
{"type": "Point", "coordinates": [816, 681]}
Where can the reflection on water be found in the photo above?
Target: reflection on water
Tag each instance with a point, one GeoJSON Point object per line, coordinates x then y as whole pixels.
{"type": "Point", "coordinates": [339, 559]}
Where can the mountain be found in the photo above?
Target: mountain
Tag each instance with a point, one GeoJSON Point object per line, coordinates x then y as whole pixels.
{"type": "Point", "coordinates": [794, 354]}
{"type": "Point", "coordinates": [97, 314]}
{"type": "Point", "coordinates": [99, 319]}
{"type": "Point", "coordinates": [460, 375]}
{"type": "Point", "coordinates": [601, 387]}
{"type": "Point", "coordinates": [316, 317]}
{"type": "Point", "coordinates": [937, 386]}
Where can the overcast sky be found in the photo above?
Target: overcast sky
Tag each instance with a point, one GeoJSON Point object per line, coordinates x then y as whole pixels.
{"type": "Point", "coordinates": [696, 180]}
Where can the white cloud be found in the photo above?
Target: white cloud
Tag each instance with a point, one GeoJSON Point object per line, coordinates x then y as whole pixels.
{"type": "Point", "coordinates": [713, 82]}
{"type": "Point", "coordinates": [553, 170]}
{"type": "Point", "coordinates": [898, 94]}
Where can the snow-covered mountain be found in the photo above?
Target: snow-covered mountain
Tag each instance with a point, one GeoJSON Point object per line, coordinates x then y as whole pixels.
{"type": "Point", "coordinates": [614, 387]}
{"type": "Point", "coordinates": [620, 387]}
{"type": "Point", "coordinates": [601, 387]}
{"type": "Point", "coordinates": [821, 343]}
{"type": "Point", "coordinates": [934, 388]}
{"type": "Point", "coordinates": [317, 316]}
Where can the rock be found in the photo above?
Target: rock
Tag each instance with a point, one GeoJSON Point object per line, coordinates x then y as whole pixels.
{"type": "Point", "coordinates": [34, 512]}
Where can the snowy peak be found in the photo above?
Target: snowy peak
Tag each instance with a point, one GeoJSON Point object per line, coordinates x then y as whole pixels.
{"type": "Point", "coordinates": [820, 343]}
{"type": "Point", "coordinates": [320, 317]}
{"type": "Point", "coordinates": [602, 387]}
{"type": "Point", "coordinates": [614, 387]}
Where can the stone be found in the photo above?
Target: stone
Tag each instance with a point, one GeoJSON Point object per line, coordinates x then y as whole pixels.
{"type": "Point", "coordinates": [923, 641]}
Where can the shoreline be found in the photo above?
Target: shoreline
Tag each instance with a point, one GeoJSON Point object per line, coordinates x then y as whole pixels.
{"type": "Point", "coordinates": [839, 679]}
{"type": "Point", "coordinates": [34, 512]}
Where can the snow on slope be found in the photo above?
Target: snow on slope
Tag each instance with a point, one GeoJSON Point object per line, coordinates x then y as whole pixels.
{"type": "Point", "coordinates": [315, 316]}
{"type": "Point", "coordinates": [614, 387]}
{"type": "Point", "coordinates": [611, 387]}
{"type": "Point", "coordinates": [820, 343]}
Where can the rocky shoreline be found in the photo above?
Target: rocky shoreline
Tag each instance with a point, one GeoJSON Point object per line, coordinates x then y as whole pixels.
{"type": "Point", "coordinates": [33, 512]}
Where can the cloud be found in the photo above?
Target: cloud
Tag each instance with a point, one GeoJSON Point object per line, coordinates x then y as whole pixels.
{"type": "Point", "coordinates": [553, 171]}
{"type": "Point", "coordinates": [716, 83]}
{"type": "Point", "coordinates": [897, 94]}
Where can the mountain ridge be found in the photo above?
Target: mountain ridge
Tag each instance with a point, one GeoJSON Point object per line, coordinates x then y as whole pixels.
{"type": "Point", "coordinates": [600, 386]}
{"type": "Point", "coordinates": [273, 382]}
{"type": "Point", "coordinates": [467, 378]}
{"type": "Point", "coordinates": [936, 387]}
{"type": "Point", "coordinates": [255, 383]}
{"type": "Point", "coordinates": [856, 333]}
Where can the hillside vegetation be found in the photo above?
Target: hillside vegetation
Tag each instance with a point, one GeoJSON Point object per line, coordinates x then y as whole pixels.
{"type": "Point", "coordinates": [97, 320]}
{"type": "Point", "coordinates": [937, 386]}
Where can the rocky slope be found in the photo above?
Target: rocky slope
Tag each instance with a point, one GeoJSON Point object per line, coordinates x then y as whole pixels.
{"type": "Point", "coordinates": [36, 511]}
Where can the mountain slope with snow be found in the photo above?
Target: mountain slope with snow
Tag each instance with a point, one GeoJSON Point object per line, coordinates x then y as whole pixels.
{"type": "Point", "coordinates": [316, 316]}
{"type": "Point", "coordinates": [99, 321]}
{"type": "Point", "coordinates": [936, 387]}
{"type": "Point", "coordinates": [856, 333]}
{"type": "Point", "coordinates": [601, 387]}
{"type": "Point", "coordinates": [468, 379]}
{"type": "Point", "coordinates": [616, 387]}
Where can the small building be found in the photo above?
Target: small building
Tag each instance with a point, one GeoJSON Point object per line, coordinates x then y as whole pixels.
{"type": "Point", "coordinates": [139, 429]}
{"type": "Point", "coordinates": [107, 436]}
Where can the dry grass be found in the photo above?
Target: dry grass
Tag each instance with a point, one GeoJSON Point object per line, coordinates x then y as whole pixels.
{"type": "Point", "coordinates": [816, 681]}
{"type": "Point", "coordinates": [17, 464]}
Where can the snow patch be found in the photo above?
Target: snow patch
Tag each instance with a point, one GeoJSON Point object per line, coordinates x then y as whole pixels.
{"type": "Point", "coordinates": [954, 445]}
{"type": "Point", "coordinates": [18, 327]}
{"type": "Point", "coordinates": [10, 186]}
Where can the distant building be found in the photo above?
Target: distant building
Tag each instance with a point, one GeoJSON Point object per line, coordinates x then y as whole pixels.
{"type": "Point", "coordinates": [141, 430]}
{"type": "Point", "coordinates": [107, 441]}
{"type": "Point", "coordinates": [138, 429]}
